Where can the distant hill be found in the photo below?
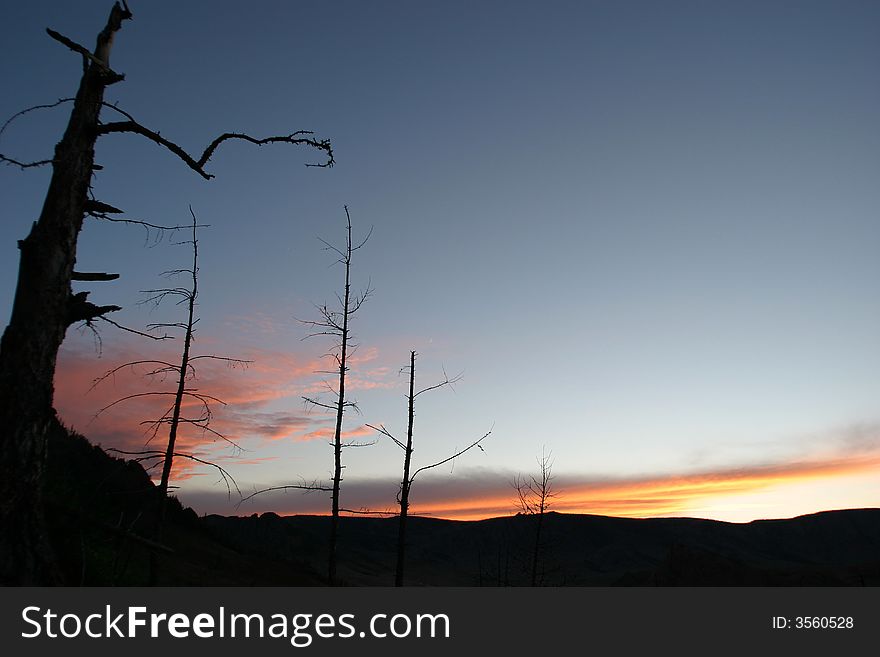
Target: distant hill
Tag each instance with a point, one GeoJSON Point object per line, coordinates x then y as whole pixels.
{"type": "Point", "coordinates": [100, 511]}
{"type": "Point", "coordinates": [836, 548]}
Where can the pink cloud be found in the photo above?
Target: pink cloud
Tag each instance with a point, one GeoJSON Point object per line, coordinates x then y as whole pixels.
{"type": "Point", "coordinates": [361, 356]}
{"type": "Point", "coordinates": [245, 389]}
{"type": "Point", "coordinates": [251, 394]}
{"type": "Point", "coordinates": [329, 432]}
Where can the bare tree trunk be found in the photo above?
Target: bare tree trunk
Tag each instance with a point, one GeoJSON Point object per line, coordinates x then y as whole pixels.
{"type": "Point", "coordinates": [407, 447]}
{"type": "Point", "coordinates": [43, 308]}
{"type": "Point", "coordinates": [536, 552]}
{"type": "Point", "coordinates": [178, 403]}
{"type": "Point", "coordinates": [336, 323]}
{"type": "Point", "coordinates": [405, 482]}
{"type": "Point", "coordinates": [340, 410]}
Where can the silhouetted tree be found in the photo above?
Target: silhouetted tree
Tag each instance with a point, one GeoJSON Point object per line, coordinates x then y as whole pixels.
{"type": "Point", "coordinates": [44, 304]}
{"type": "Point", "coordinates": [407, 447]}
{"type": "Point", "coordinates": [184, 372]}
{"type": "Point", "coordinates": [534, 495]}
{"type": "Point", "coordinates": [336, 324]}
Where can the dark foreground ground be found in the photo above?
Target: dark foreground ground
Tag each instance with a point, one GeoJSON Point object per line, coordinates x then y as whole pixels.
{"type": "Point", "coordinates": [100, 510]}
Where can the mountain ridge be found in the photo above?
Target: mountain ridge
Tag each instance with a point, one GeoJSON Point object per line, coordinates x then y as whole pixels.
{"type": "Point", "coordinates": [824, 548]}
{"type": "Point", "coordinates": [101, 510]}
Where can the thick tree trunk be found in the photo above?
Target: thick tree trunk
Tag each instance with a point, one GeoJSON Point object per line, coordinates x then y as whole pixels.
{"type": "Point", "coordinates": [43, 308]}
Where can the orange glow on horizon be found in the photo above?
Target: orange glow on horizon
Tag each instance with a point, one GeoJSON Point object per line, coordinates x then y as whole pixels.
{"type": "Point", "coordinates": [845, 479]}
{"type": "Point", "coordinates": [661, 496]}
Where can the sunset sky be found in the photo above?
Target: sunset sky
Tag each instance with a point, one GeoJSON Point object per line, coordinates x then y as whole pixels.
{"type": "Point", "coordinates": [646, 233]}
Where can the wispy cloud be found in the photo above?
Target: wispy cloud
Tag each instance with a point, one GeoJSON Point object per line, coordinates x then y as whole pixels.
{"type": "Point", "coordinates": [268, 425]}
{"type": "Point", "coordinates": [325, 433]}
{"type": "Point", "coordinates": [251, 394]}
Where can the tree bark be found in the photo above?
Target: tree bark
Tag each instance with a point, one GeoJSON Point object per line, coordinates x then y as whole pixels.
{"type": "Point", "coordinates": [43, 307]}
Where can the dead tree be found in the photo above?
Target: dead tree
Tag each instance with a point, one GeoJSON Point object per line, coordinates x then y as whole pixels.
{"type": "Point", "coordinates": [44, 305]}
{"type": "Point", "coordinates": [534, 495]}
{"type": "Point", "coordinates": [185, 372]}
{"type": "Point", "coordinates": [407, 447]}
{"type": "Point", "coordinates": [336, 324]}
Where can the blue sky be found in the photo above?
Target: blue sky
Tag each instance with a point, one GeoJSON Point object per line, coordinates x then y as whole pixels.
{"type": "Point", "coordinates": [646, 232]}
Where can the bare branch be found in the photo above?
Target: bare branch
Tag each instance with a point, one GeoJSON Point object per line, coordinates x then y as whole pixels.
{"type": "Point", "coordinates": [296, 138]}
{"type": "Point", "coordinates": [309, 488]}
{"type": "Point", "coordinates": [75, 47]}
{"type": "Point", "coordinates": [381, 429]}
{"type": "Point", "coordinates": [115, 107]}
{"type": "Point", "coordinates": [359, 301]}
{"type": "Point", "coordinates": [15, 116]}
{"type": "Point", "coordinates": [233, 362]}
{"type": "Point", "coordinates": [188, 393]}
{"type": "Point", "coordinates": [171, 273]}
{"type": "Point", "coordinates": [92, 206]}
{"type": "Point", "coordinates": [24, 165]}
{"type": "Point", "coordinates": [111, 76]}
{"type": "Point", "coordinates": [137, 222]}
{"type": "Point", "coordinates": [159, 454]}
{"type": "Point", "coordinates": [92, 276]}
{"type": "Point", "coordinates": [157, 296]}
{"type": "Point", "coordinates": [202, 424]}
{"type": "Point", "coordinates": [136, 332]}
{"type": "Point", "coordinates": [151, 327]}
{"type": "Point", "coordinates": [314, 335]}
{"type": "Point", "coordinates": [191, 392]}
{"type": "Point", "coordinates": [329, 247]}
{"type": "Point", "coordinates": [315, 402]}
{"type": "Point", "coordinates": [60, 101]}
{"type": "Point", "coordinates": [367, 512]}
{"type": "Point", "coordinates": [38, 163]}
{"type": "Point", "coordinates": [364, 241]}
{"type": "Point", "coordinates": [446, 382]}
{"type": "Point", "coordinates": [128, 398]}
{"type": "Point", "coordinates": [358, 444]}
{"type": "Point", "coordinates": [454, 456]}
